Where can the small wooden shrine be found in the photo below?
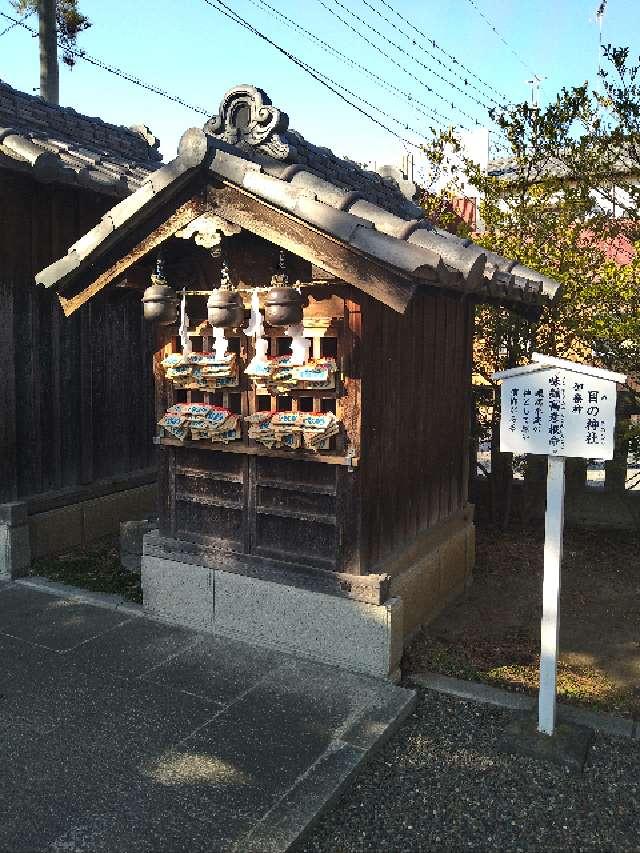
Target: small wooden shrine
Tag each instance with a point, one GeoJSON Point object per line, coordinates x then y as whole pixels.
{"type": "Point", "coordinates": [313, 376]}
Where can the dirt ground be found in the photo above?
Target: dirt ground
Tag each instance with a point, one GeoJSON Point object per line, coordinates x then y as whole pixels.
{"type": "Point", "coordinates": [493, 633]}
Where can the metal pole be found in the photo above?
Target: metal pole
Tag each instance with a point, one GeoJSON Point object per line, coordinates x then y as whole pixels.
{"type": "Point", "coordinates": [49, 83]}
{"type": "Point", "coordinates": [550, 626]}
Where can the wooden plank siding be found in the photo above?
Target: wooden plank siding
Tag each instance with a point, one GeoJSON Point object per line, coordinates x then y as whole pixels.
{"type": "Point", "coordinates": [76, 396]}
{"type": "Point", "coordinates": [415, 405]}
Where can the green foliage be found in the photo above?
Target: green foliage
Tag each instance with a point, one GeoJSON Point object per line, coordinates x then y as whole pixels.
{"type": "Point", "coordinates": [70, 22]}
{"type": "Point", "coordinates": [557, 210]}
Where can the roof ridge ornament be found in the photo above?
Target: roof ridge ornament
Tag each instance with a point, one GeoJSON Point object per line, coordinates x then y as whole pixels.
{"type": "Point", "coordinates": [247, 117]}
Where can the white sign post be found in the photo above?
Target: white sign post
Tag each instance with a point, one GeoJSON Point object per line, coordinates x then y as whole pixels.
{"type": "Point", "coordinates": [561, 409]}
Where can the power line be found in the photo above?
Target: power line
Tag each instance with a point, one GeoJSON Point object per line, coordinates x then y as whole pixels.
{"type": "Point", "coordinates": [428, 112]}
{"type": "Point", "coordinates": [399, 65]}
{"type": "Point", "coordinates": [435, 45]}
{"type": "Point", "coordinates": [499, 35]}
{"type": "Point", "coordinates": [15, 23]}
{"type": "Point", "coordinates": [399, 48]}
{"type": "Point", "coordinates": [323, 79]}
{"type": "Point", "coordinates": [118, 72]}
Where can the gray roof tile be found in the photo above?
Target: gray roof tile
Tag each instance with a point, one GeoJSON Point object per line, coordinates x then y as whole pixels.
{"type": "Point", "coordinates": [60, 145]}
{"type": "Point", "coordinates": [361, 209]}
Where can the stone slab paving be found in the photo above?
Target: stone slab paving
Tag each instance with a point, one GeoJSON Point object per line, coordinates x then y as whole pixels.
{"type": "Point", "coordinates": [118, 733]}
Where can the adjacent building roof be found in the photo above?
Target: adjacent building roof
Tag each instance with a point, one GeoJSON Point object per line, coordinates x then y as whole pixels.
{"type": "Point", "coordinates": [59, 145]}
{"type": "Point", "coordinates": [249, 146]}
{"type": "Point", "coordinates": [623, 163]}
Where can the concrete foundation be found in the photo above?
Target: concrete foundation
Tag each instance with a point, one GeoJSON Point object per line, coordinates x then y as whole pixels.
{"type": "Point", "coordinates": [65, 528]}
{"type": "Point", "coordinates": [180, 593]}
{"type": "Point", "coordinates": [434, 570]}
{"type": "Point", "coordinates": [208, 590]}
{"type": "Point", "coordinates": [359, 637]}
{"type": "Point", "coordinates": [328, 628]}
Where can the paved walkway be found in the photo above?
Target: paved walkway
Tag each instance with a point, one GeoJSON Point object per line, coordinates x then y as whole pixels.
{"type": "Point", "coordinates": [118, 733]}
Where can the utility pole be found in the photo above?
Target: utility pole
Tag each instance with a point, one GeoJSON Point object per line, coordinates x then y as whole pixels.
{"type": "Point", "coordinates": [49, 83]}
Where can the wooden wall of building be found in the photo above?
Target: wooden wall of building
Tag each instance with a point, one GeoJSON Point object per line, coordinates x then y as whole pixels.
{"type": "Point", "coordinates": [416, 381]}
{"type": "Point", "coordinates": [76, 394]}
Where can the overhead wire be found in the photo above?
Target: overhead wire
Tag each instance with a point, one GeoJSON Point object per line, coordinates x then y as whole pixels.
{"type": "Point", "coordinates": [323, 79]}
{"type": "Point", "coordinates": [413, 101]}
{"type": "Point", "coordinates": [406, 53]}
{"type": "Point", "coordinates": [118, 72]}
{"type": "Point", "coordinates": [454, 59]}
{"type": "Point", "coordinates": [15, 23]}
{"type": "Point", "coordinates": [402, 67]}
{"type": "Point", "coordinates": [492, 27]}
{"type": "Point", "coordinates": [464, 79]}
{"type": "Point", "coordinates": [429, 112]}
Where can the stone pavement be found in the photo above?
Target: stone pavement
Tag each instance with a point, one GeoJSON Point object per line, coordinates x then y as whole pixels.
{"type": "Point", "coordinates": [118, 733]}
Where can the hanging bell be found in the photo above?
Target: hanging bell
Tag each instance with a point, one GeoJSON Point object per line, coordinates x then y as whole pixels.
{"type": "Point", "coordinates": [283, 305]}
{"type": "Point", "coordinates": [225, 308]}
{"type": "Point", "coordinates": [160, 301]}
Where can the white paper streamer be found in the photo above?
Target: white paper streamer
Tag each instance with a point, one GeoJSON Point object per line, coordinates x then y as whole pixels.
{"type": "Point", "coordinates": [184, 326]}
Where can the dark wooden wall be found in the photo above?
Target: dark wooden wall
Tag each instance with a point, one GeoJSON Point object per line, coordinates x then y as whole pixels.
{"type": "Point", "coordinates": [416, 381]}
{"type": "Point", "coordinates": [76, 394]}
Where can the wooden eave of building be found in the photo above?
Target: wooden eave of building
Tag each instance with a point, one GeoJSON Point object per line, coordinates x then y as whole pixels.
{"type": "Point", "coordinates": [385, 251]}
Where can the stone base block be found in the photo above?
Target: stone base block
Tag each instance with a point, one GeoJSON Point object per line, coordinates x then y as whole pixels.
{"type": "Point", "coordinates": [176, 592]}
{"type": "Point", "coordinates": [15, 548]}
{"type": "Point", "coordinates": [131, 535]}
{"type": "Point", "coordinates": [360, 637]}
{"type": "Point", "coordinates": [67, 527]}
{"type": "Point", "coordinates": [433, 571]}
{"type": "Point", "coordinates": [333, 629]}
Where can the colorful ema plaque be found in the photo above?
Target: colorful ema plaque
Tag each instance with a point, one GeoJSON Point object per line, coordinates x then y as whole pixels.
{"type": "Point", "coordinates": [200, 421]}
{"type": "Point", "coordinates": [558, 408]}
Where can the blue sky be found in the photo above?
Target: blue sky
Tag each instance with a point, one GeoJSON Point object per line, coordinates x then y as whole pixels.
{"type": "Point", "coordinates": [191, 50]}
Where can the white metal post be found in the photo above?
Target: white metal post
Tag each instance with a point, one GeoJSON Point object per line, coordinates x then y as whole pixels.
{"type": "Point", "coordinates": [550, 626]}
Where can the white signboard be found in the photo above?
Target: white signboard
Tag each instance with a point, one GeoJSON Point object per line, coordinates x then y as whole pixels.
{"type": "Point", "coordinates": [559, 413]}
{"type": "Point", "coordinates": [561, 409]}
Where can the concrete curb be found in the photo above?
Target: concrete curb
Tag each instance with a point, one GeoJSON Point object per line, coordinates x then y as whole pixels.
{"type": "Point", "coordinates": [365, 753]}
{"type": "Point", "coordinates": [610, 724]}
{"type": "Point", "coordinates": [97, 599]}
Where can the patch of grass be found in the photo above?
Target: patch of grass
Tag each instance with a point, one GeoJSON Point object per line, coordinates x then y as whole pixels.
{"type": "Point", "coordinates": [98, 570]}
{"type": "Point", "coordinates": [576, 685]}
{"type": "Point", "coordinates": [493, 634]}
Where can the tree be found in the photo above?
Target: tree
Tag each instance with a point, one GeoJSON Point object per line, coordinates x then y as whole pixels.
{"type": "Point", "coordinates": [565, 201]}
{"type": "Point", "coordinates": [60, 24]}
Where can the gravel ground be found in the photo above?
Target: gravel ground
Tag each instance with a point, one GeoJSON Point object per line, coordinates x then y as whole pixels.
{"type": "Point", "coordinates": [441, 785]}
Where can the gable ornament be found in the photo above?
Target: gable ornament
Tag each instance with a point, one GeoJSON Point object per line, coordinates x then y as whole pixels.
{"type": "Point", "coordinates": [247, 117]}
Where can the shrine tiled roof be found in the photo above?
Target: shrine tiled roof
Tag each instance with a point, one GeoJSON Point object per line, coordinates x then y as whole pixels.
{"type": "Point", "coordinates": [248, 145]}
{"type": "Point", "coordinates": [59, 145]}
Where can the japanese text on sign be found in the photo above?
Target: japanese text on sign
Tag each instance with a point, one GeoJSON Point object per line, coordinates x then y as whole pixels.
{"type": "Point", "coordinates": [558, 412]}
